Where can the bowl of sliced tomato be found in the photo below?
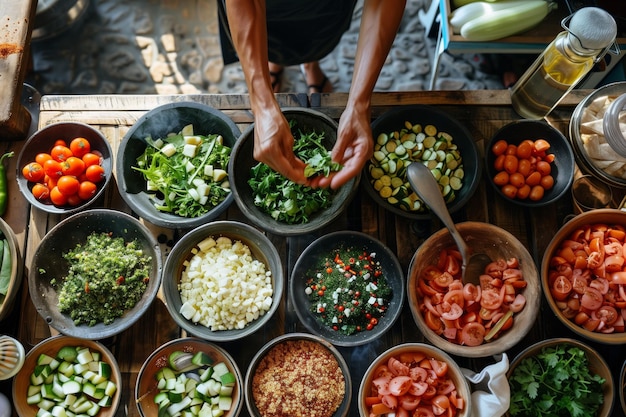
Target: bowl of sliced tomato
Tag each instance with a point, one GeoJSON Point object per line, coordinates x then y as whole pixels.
{"type": "Point", "coordinates": [64, 167]}
{"type": "Point", "coordinates": [583, 275]}
{"type": "Point", "coordinates": [414, 379]}
{"type": "Point", "coordinates": [474, 319]}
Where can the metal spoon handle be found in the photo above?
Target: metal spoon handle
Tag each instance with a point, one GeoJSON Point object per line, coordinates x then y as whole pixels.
{"type": "Point", "coordinates": [425, 185]}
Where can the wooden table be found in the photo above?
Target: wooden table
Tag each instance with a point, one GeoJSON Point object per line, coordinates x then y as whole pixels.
{"type": "Point", "coordinates": [483, 112]}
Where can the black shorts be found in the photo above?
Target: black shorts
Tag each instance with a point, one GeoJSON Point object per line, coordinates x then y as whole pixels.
{"type": "Point", "coordinates": [298, 31]}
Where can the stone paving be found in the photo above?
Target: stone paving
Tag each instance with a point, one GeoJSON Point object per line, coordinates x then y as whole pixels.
{"type": "Point", "coordinates": [172, 47]}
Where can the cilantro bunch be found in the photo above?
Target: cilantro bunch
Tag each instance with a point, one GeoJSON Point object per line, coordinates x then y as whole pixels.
{"type": "Point", "coordinates": [556, 382]}
{"type": "Point", "coordinates": [282, 198]}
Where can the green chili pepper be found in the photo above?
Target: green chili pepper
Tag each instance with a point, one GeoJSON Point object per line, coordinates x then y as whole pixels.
{"type": "Point", "coordinates": [4, 197]}
{"type": "Point", "coordinates": [7, 265]}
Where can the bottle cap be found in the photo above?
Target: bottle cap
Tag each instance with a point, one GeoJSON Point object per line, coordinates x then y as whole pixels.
{"type": "Point", "coordinates": [592, 29]}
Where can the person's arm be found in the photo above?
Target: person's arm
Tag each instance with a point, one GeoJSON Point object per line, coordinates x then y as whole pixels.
{"type": "Point", "coordinates": [273, 141]}
{"type": "Point", "coordinates": [355, 145]}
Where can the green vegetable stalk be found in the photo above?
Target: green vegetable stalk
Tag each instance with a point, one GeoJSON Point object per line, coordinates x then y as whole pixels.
{"type": "Point", "coordinates": [4, 195]}
{"type": "Point", "coordinates": [7, 265]}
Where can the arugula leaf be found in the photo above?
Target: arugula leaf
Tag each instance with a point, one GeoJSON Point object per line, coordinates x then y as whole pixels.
{"type": "Point", "coordinates": [285, 200]}
{"type": "Point", "coordinates": [555, 382]}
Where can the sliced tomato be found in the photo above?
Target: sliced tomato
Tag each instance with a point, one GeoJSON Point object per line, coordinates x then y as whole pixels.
{"type": "Point", "coordinates": [561, 288]}
{"type": "Point", "coordinates": [433, 322]}
{"type": "Point", "coordinates": [399, 385]}
{"type": "Point", "coordinates": [607, 314]}
{"type": "Point", "coordinates": [423, 411]}
{"type": "Point", "coordinates": [591, 299]}
{"type": "Point", "coordinates": [473, 334]}
{"type": "Point", "coordinates": [418, 388]}
{"type": "Point", "coordinates": [440, 367]}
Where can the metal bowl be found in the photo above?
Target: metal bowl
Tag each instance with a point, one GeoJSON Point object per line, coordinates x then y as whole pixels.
{"type": "Point", "coordinates": [422, 350]}
{"type": "Point", "coordinates": [242, 158]}
{"type": "Point", "coordinates": [597, 365]}
{"type": "Point", "coordinates": [497, 243]}
{"type": "Point", "coordinates": [15, 270]}
{"type": "Point", "coordinates": [313, 257]}
{"type": "Point", "coordinates": [605, 218]}
{"type": "Point", "coordinates": [394, 121]}
{"type": "Point", "coordinates": [51, 347]}
{"type": "Point", "coordinates": [313, 375]}
{"type": "Point", "coordinates": [48, 264]}
{"type": "Point", "coordinates": [146, 386]}
{"type": "Point", "coordinates": [261, 249]}
{"type": "Point", "coordinates": [42, 141]}
{"type": "Point", "coordinates": [158, 123]}
{"type": "Point", "coordinates": [562, 166]}
{"type": "Point", "coordinates": [589, 165]}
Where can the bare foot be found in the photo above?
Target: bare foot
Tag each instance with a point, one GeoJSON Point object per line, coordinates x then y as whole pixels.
{"type": "Point", "coordinates": [316, 80]}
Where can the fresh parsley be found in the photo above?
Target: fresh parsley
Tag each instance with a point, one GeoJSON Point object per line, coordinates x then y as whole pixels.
{"type": "Point", "coordinates": [556, 382]}
{"type": "Point", "coordinates": [285, 200]}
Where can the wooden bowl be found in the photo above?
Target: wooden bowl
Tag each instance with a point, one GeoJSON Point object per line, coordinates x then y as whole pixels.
{"type": "Point", "coordinates": [599, 216]}
{"type": "Point", "coordinates": [48, 264]}
{"type": "Point", "coordinates": [314, 255]}
{"type": "Point", "coordinates": [158, 123]}
{"type": "Point", "coordinates": [243, 161]}
{"type": "Point", "coordinates": [261, 248]}
{"type": "Point", "coordinates": [454, 373]}
{"type": "Point", "coordinates": [51, 347]}
{"type": "Point", "coordinates": [43, 140]}
{"type": "Point", "coordinates": [597, 365]}
{"type": "Point", "coordinates": [17, 266]}
{"type": "Point", "coordinates": [146, 385]}
{"type": "Point", "coordinates": [497, 243]}
{"type": "Point", "coordinates": [562, 168]}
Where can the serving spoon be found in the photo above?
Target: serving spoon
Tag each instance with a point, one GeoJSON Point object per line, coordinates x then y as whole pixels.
{"type": "Point", "coordinates": [425, 185]}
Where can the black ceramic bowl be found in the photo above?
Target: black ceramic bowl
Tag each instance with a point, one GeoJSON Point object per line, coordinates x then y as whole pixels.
{"type": "Point", "coordinates": [49, 264]}
{"type": "Point", "coordinates": [311, 260]}
{"type": "Point", "coordinates": [242, 160]}
{"type": "Point", "coordinates": [394, 121]}
{"type": "Point", "coordinates": [562, 168]}
{"type": "Point", "coordinates": [158, 123]}
{"type": "Point", "coordinates": [43, 140]}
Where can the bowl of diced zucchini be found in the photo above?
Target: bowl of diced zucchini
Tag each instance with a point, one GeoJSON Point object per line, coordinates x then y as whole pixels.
{"type": "Point", "coordinates": [427, 135]}
{"type": "Point", "coordinates": [172, 165]}
{"type": "Point", "coordinates": [189, 376]}
{"type": "Point", "coordinates": [65, 375]}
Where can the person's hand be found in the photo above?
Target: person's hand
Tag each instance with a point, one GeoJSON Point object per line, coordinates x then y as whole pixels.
{"type": "Point", "coordinates": [273, 145]}
{"type": "Point", "coordinates": [353, 149]}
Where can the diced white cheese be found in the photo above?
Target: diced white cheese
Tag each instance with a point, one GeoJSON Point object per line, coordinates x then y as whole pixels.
{"type": "Point", "coordinates": [189, 150]}
{"type": "Point", "coordinates": [168, 150]}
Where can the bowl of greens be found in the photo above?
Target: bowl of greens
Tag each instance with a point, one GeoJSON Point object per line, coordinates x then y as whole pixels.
{"type": "Point", "coordinates": [538, 375]}
{"type": "Point", "coordinates": [95, 273]}
{"type": "Point", "coordinates": [172, 165]}
{"type": "Point", "coordinates": [348, 288]}
{"type": "Point", "coordinates": [278, 205]}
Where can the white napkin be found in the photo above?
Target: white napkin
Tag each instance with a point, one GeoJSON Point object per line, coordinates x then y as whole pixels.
{"type": "Point", "coordinates": [491, 395]}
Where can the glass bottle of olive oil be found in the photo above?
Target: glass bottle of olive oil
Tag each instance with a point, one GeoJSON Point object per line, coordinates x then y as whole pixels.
{"type": "Point", "coordinates": [564, 62]}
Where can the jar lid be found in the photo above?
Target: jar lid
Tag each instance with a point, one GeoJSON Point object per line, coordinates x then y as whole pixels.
{"type": "Point", "coordinates": [592, 28]}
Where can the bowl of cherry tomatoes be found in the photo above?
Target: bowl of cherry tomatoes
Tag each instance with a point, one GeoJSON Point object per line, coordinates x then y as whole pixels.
{"type": "Point", "coordinates": [474, 319]}
{"type": "Point", "coordinates": [583, 275]}
{"type": "Point", "coordinates": [529, 163]}
{"type": "Point", "coordinates": [64, 167]}
{"type": "Point", "coordinates": [414, 379]}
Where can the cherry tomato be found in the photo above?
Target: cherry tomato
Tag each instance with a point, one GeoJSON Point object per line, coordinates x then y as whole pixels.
{"type": "Point", "coordinates": [547, 182]}
{"type": "Point", "coordinates": [498, 164]}
{"type": "Point", "coordinates": [33, 171]}
{"type": "Point", "coordinates": [533, 179]}
{"type": "Point", "coordinates": [40, 191]}
{"type": "Point", "coordinates": [511, 163]}
{"type": "Point", "coordinates": [561, 288]}
{"type": "Point", "coordinates": [42, 157]}
{"type": "Point", "coordinates": [524, 167]}
{"type": "Point", "coordinates": [57, 198]}
{"type": "Point", "coordinates": [607, 314]}
{"type": "Point", "coordinates": [536, 193]}
{"type": "Point", "coordinates": [509, 190]}
{"type": "Point", "coordinates": [543, 168]}
{"type": "Point", "coordinates": [523, 192]}
{"type": "Point", "coordinates": [88, 189]}
{"type": "Point", "coordinates": [91, 158]}
{"type": "Point", "coordinates": [53, 169]}
{"type": "Point", "coordinates": [60, 142]}
{"type": "Point", "coordinates": [501, 178]}
{"type": "Point", "coordinates": [541, 145]}
{"type": "Point", "coordinates": [68, 185]}
{"type": "Point", "coordinates": [80, 146]}
{"type": "Point", "coordinates": [60, 153]}
{"type": "Point", "coordinates": [524, 150]}
{"type": "Point", "coordinates": [95, 173]}
{"type": "Point", "coordinates": [517, 180]}
{"type": "Point", "coordinates": [499, 147]}
{"type": "Point", "coordinates": [73, 166]}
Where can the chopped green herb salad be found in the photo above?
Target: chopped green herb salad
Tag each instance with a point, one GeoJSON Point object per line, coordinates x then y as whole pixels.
{"type": "Point", "coordinates": [107, 276]}
{"type": "Point", "coordinates": [556, 382]}
{"type": "Point", "coordinates": [285, 200]}
{"type": "Point", "coordinates": [348, 291]}
{"type": "Point", "coordinates": [185, 172]}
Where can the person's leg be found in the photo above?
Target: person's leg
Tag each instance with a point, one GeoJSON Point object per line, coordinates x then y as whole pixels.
{"type": "Point", "coordinates": [276, 75]}
{"type": "Point", "coordinates": [316, 80]}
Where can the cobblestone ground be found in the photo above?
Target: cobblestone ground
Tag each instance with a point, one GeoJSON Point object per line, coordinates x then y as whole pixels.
{"type": "Point", "coordinates": [172, 47]}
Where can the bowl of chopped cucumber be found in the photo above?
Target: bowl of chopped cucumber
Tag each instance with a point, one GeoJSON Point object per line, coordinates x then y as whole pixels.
{"type": "Point", "coordinates": [426, 135]}
{"type": "Point", "coordinates": [172, 165]}
{"type": "Point", "coordinates": [95, 274]}
{"type": "Point", "coordinates": [223, 281]}
{"type": "Point", "coordinates": [211, 380]}
{"type": "Point", "coordinates": [65, 375]}
{"type": "Point", "coordinates": [280, 206]}
{"type": "Point", "coordinates": [348, 288]}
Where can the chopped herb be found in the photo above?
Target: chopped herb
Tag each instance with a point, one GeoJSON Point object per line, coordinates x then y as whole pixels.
{"type": "Point", "coordinates": [348, 290]}
{"type": "Point", "coordinates": [556, 382]}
